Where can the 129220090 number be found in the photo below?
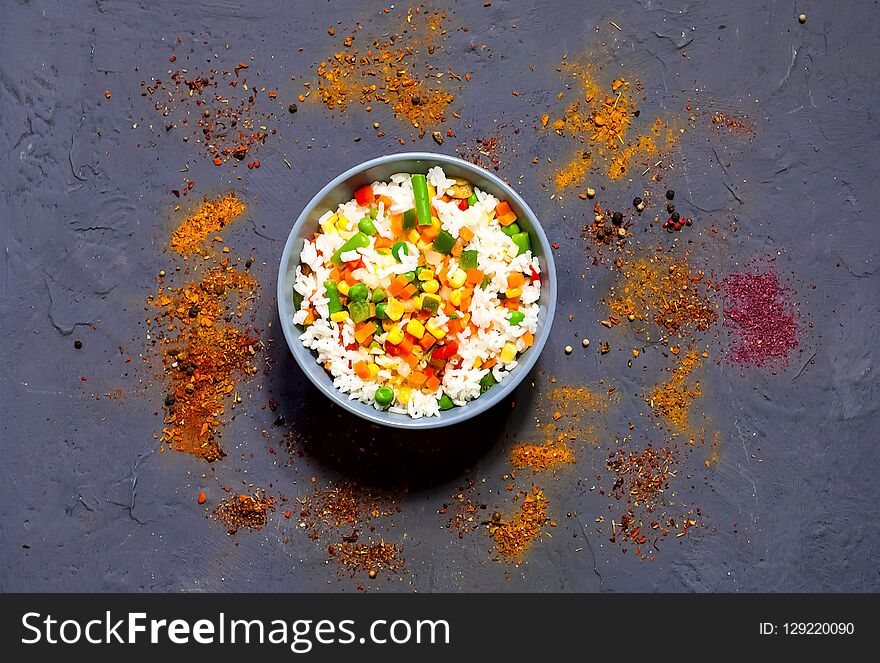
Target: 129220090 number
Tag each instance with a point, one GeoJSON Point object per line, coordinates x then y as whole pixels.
{"type": "Point", "coordinates": [818, 628]}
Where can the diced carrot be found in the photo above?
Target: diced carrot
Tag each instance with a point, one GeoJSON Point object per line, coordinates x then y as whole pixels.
{"type": "Point", "coordinates": [408, 291]}
{"type": "Point", "coordinates": [411, 359]}
{"type": "Point", "coordinates": [429, 233]}
{"type": "Point", "coordinates": [512, 303]}
{"type": "Point", "coordinates": [475, 276]}
{"type": "Point", "coordinates": [405, 347]}
{"type": "Point", "coordinates": [310, 318]}
{"type": "Point", "coordinates": [433, 383]}
{"type": "Point", "coordinates": [448, 308]}
{"type": "Point", "coordinates": [516, 280]}
{"type": "Point", "coordinates": [416, 379]}
{"type": "Point", "coordinates": [397, 286]}
{"type": "Point", "coordinates": [362, 331]}
{"type": "Point", "coordinates": [350, 279]}
{"type": "Point", "coordinates": [427, 341]}
{"type": "Point", "coordinates": [396, 224]}
{"type": "Point", "coordinates": [457, 248]}
{"type": "Point", "coordinates": [489, 363]}
{"type": "Point", "coordinates": [465, 304]}
{"type": "Point", "coordinates": [454, 326]}
{"type": "Point", "coordinates": [466, 233]}
{"type": "Point", "coordinates": [445, 198]}
{"type": "Point", "coordinates": [362, 369]}
{"type": "Point", "coordinates": [502, 208]}
{"type": "Point", "coordinates": [334, 274]}
{"type": "Point", "coordinates": [386, 201]}
{"type": "Point", "coordinates": [383, 242]}
{"type": "Point", "coordinates": [507, 219]}
{"type": "Point", "coordinates": [528, 338]}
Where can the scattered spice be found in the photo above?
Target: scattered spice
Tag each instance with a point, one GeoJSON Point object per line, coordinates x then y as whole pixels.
{"type": "Point", "coordinates": [204, 357]}
{"type": "Point", "coordinates": [248, 511]}
{"type": "Point", "coordinates": [672, 400]}
{"type": "Point", "coordinates": [367, 557]}
{"type": "Point", "coordinates": [395, 69]}
{"type": "Point", "coordinates": [464, 511]}
{"type": "Point", "coordinates": [761, 317]}
{"type": "Point", "coordinates": [513, 536]}
{"type": "Point", "coordinates": [664, 290]}
{"type": "Point", "coordinates": [216, 108]}
{"type": "Point", "coordinates": [208, 219]}
{"type": "Point", "coordinates": [539, 457]}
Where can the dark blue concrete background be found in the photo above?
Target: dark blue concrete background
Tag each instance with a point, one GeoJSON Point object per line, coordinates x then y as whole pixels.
{"type": "Point", "coordinates": [88, 503]}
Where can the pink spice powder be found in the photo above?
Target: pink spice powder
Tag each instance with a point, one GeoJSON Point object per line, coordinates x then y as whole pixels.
{"type": "Point", "coordinates": [762, 318]}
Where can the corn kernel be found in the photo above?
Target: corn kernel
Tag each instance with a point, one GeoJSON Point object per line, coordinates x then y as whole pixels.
{"type": "Point", "coordinates": [426, 274]}
{"type": "Point", "coordinates": [403, 394]}
{"type": "Point", "coordinates": [508, 353]}
{"type": "Point", "coordinates": [423, 245]}
{"type": "Point", "coordinates": [431, 286]}
{"type": "Point", "coordinates": [416, 302]}
{"type": "Point", "coordinates": [374, 370]}
{"type": "Point", "coordinates": [458, 278]}
{"type": "Point", "coordinates": [342, 224]}
{"type": "Point", "coordinates": [455, 297]}
{"type": "Point", "coordinates": [415, 328]}
{"type": "Point", "coordinates": [513, 293]}
{"type": "Point", "coordinates": [395, 335]}
{"type": "Point", "coordinates": [329, 225]}
{"type": "Point", "coordinates": [435, 223]}
{"type": "Point", "coordinates": [435, 330]}
{"type": "Point", "coordinates": [339, 316]}
{"type": "Point", "coordinates": [343, 288]}
{"type": "Point", "coordinates": [413, 236]}
{"type": "Point", "coordinates": [394, 309]}
{"type": "Point", "coordinates": [432, 191]}
{"type": "Point", "coordinates": [477, 362]}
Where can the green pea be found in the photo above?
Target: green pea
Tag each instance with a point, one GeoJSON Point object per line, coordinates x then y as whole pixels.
{"type": "Point", "coordinates": [380, 310]}
{"type": "Point", "coordinates": [366, 226]}
{"type": "Point", "coordinates": [378, 296]}
{"type": "Point", "coordinates": [384, 396]}
{"type": "Point", "coordinates": [397, 248]}
{"type": "Point", "coordinates": [358, 292]}
{"type": "Point", "coordinates": [410, 276]}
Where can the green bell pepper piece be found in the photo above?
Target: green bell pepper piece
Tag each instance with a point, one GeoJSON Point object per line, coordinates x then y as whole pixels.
{"type": "Point", "coordinates": [423, 201]}
{"type": "Point", "coordinates": [468, 259]}
{"type": "Point", "coordinates": [515, 317]}
{"type": "Point", "coordinates": [297, 300]}
{"type": "Point", "coordinates": [486, 382]}
{"type": "Point", "coordinates": [523, 242]}
{"type": "Point", "coordinates": [430, 303]}
{"type": "Point", "coordinates": [445, 403]}
{"type": "Point", "coordinates": [472, 200]}
{"type": "Point", "coordinates": [512, 229]}
{"type": "Point", "coordinates": [444, 242]}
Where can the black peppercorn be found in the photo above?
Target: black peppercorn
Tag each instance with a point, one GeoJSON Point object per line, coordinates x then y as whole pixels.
{"type": "Point", "coordinates": [78, 344]}
{"type": "Point", "coordinates": [617, 218]}
{"type": "Point", "coordinates": [670, 208]}
{"type": "Point", "coordinates": [637, 201]}
{"type": "Point", "coordinates": [670, 194]}
{"type": "Point", "coordinates": [292, 108]}
{"type": "Point", "coordinates": [675, 216]}
{"type": "Point", "coordinates": [169, 400]}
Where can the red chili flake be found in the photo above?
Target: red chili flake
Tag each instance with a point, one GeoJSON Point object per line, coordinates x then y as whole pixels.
{"type": "Point", "coordinates": [83, 378]}
{"type": "Point", "coordinates": [176, 193]}
{"type": "Point", "coordinates": [762, 318]}
{"type": "Point", "coordinates": [173, 58]}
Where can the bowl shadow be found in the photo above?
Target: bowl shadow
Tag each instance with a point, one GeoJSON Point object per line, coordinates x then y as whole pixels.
{"type": "Point", "coordinates": [379, 456]}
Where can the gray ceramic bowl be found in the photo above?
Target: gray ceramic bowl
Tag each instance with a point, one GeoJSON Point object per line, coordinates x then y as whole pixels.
{"type": "Point", "coordinates": [342, 189]}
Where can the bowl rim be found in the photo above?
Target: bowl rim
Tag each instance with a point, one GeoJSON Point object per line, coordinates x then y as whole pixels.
{"type": "Point", "coordinates": [474, 407]}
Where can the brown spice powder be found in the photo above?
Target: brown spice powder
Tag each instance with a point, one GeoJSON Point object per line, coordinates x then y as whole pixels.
{"type": "Point", "coordinates": [514, 536]}
{"type": "Point", "coordinates": [208, 219]}
{"type": "Point", "coordinates": [672, 400]}
{"type": "Point", "coordinates": [248, 511]}
{"type": "Point", "coordinates": [539, 457]}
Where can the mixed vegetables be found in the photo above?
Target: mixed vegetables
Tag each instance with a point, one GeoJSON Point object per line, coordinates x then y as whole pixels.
{"type": "Point", "coordinates": [408, 327]}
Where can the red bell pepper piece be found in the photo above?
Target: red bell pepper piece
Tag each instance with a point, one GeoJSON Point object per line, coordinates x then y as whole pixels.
{"type": "Point", "coordinates": [463, 204]}
{"type": "Point", "coordinates": [364, 196]}
{"type": "Point", "coordinates": [445, 351]}
{"type": "Point", "coordinates": [535, 275]}
{"type": "Point", "coordinates": [391, 349]}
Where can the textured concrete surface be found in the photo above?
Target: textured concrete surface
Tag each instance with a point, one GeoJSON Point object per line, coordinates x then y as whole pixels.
{"type": "Point", "coordinates": [88, 503]}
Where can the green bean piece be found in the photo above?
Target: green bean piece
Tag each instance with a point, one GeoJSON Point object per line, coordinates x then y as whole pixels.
{"type": "Point", "coordinates": [512, 229]}
{"type": "Point", "coordinates": [357, 241]}
{"type": "Point", "coordinates": [516, 317]}
{"type": "Point", "coordinates": [374, 212]}
{"type": "Point", "coordinates": [423, 200]}
{"type": "Point", "coordinates": [397, 248]}
{"type": "Point", "coordinates": [472, 200]}
{"type": "Point", "coordinates": [332, 292]}
{"type": "Point", "coordinates": [367, 226]}
{"type": "Point", "coordinates": [523, 242]}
